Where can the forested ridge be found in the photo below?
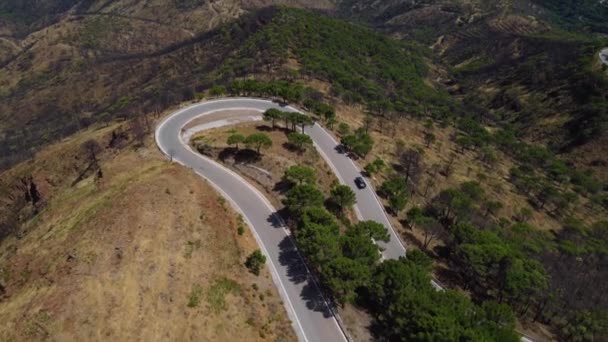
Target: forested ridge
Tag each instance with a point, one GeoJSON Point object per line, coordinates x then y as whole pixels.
{"type": "Point", "coordinates": [361, 65]}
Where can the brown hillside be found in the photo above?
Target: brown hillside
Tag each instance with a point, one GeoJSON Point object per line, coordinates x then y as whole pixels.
{"type": "Point", "coordinates": [146, 252]}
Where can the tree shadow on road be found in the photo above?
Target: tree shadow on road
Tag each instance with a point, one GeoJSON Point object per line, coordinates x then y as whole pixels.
{"type": "Point", "coordinates": [298, 274]}
{"type": "Point", "coordinates": [289, 257]}
{"type": "Point", "coordinates": [276, 219]}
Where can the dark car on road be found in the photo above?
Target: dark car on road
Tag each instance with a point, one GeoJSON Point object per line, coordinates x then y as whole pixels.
{"type": "Point", "coordinates": [360, 183]}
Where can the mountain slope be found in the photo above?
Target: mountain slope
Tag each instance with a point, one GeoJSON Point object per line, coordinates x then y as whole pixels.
{"type": "Point", "coordinates": [514, 64]}
{"type": "Point", "coordinates": [145, 250]}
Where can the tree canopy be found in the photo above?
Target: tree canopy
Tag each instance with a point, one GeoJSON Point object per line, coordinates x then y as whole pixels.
{"type": "Point", "coordinates": [258, 141]}
{"type": "Point", "coordinates": [299, 174]}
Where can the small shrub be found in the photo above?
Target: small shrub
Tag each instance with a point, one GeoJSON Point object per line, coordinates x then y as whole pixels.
{"type": "Point", "coordinates": [343, 128]}
{"type": "Point", "coordinates": [191, 246]}
{"type": "Point", "coordinates": [194, 298]}
{"type": "Point", "coordinates": [222, 201]}
{"type": "Point", "coordinates": [240, 230]}
{"type": "Point", "coordinates": [255, 261]}
{"type": "Point", "coordinates": [218, 291]}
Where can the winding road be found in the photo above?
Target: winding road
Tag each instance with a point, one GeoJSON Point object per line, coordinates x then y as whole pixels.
{"type": "Point", "coordinates": [312, 318]}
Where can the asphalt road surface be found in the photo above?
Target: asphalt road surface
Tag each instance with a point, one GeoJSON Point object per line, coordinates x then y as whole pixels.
{"type": "Point", "coordinates": [368, 206]}
{"type": "Point", "coordinates": [310, 314]}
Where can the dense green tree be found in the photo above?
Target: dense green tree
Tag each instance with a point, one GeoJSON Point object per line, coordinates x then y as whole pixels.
{"type": "Point", "coordinates": [372, 229]}
{"type": "Point", "coordinates": [465, 142]}
{"type": "Point", "coordinates": [318, 237]}
{"type": "Point", "coordinates": [330, 122]}
{"type": "Point", "coordinates": [255, 261]}
{"type": "Point", "coordinates": [395, 191]}
{"type": "Point", "coordinates": [392, 186]}
{"type": "Point", "coordinates": [359, 143]}
{"type": "Point", "coordinates": [375, 166]}
{"type": "Point", "coordinates": [499, 314]}
{"type": "Point", "coordinates": [453, 205]}
{"type": "Point", "coordinates": [291, 120]}
{"type": "Point", "coordinates": [357, 244]}
{"type": "Point", "coordinates": [420, 259]}
{"type": "Point", "coordinates": [343, 128]}
{"type": "Point", "coordinates": [564, 202]}
{"type": "Point", "coordinates": [344, 276]}
{"type": "Point", "coordinates": [318, 216]}
{"type": "Point", "coordinates": [584, 325]}
{"type": "Point", "coordinates": [368, 120]}
{"type": "Point", "coordinates": [301, 197]}
{"type": "Point", "coordinates": [547, 193]}
{"type": "Point", "coordinates": [272, 115]}
{"type": "Point", "coordinates": [482, 255]}
{"type": "Point", "coordinates": [217, 90]}
{"type": "Point", "coordinates": [488, 156]}
{"type": "Point", "coordinates": [299, 174]}
{"type": "Point", "coordinates": [342, 196]}
{"type": "Point", "coordinates": [303, 120]}
{"type": "Point", "coordinates": [258, 141]}
{"type": "Point", "coordinates": [525, 279]}
{"type": "Point", "coordinates": [398, 202]}
{"type": "Point", "coordinates": [473, 190]}
{"type": "Point", "coordinates": [385, 75]}
{"type": "Point", "coordinates": [299, 141]}
{"type": "Point", "coordinates": [408, 308]}
{"type": "Point", "coordinates": [524, 214]}
{"type": "Point", "coordinates": [235, 139]}
{"type": "Point", "coordinates": [319, 108]}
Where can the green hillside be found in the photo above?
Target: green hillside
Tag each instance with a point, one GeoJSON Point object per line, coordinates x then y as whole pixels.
{"type": "Point", "coordinates": [361, 65]}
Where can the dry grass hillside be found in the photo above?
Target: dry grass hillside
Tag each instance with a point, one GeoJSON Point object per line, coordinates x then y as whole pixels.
{"type": "Point", "coordinates": [147, 251]}
{"type": "Point", "coordinates": [526, 64]}
{"type": "Point", "coordinates": [65, 64]}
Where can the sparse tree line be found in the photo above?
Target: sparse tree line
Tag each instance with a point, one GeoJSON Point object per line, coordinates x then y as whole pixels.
{"type": "Point", "coordinates": [541, 175]}
{"type": "Point", "coordinates": [360, 143]}
{"type": "Point", "coordinates": [292, 120]}
{"type": "Point", "coordinates": [255, 141]}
